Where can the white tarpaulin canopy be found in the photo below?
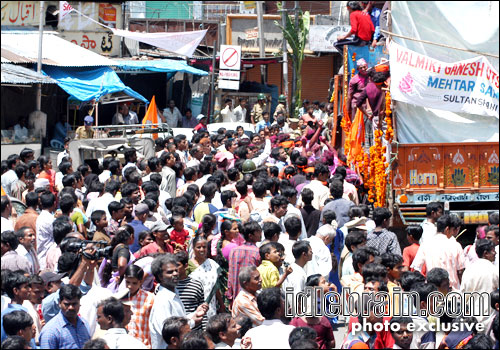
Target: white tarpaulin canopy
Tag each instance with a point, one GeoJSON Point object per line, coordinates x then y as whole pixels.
{"type": "Point", "coordinates": [182, 43]}
{"type": "Point", "coordinates": [22, 47]}
{"type": "Point", "coordinates": [463, 24]}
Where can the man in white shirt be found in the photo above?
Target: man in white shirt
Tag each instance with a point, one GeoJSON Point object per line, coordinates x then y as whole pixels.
{"type": "Point", "coordinates": [10, 177]}
{"type": "Point", "coordinates": [106, 173]}
{"type": "Point", "coordinates": [302, 253]}
{"type": "Point", "coordinates": [7, 224]}
{"type": "Point", "coordinates": [288, 239]}
{"type": "Point", "coordinates": [64, 153]}
{"type": "Point", "coordinates": [482, 277]}
{"type": "Point", "coordinates": [433, 211]}
{"type": "Point", "coordinates": [181, 145]}
{"type": "Point", "coordinates": [227, 113]}
{"type": "Point", "coordinates": [443, 251]}
{"type": "Point", "coordinates": [240, 112]}
{"type": "Point", "coordinates": [350, 191]}
{"type": "Point", "coordinates": [124, 116]}
{"type": "Point", "coordinates": [290, 193]}
{"type": "Point", "coordinates": [278, 210]}
{"type": "Point", "coordinates": [130, 155]}
{"type": "Point", "coordinates": [196, 156]}
{"type": "Point", "coordinates": [44, 229]}
{"type": "Point", "coordinates": [246, 153]}
{"type": "Point", "coordinates": [322, 258]}
{"type": "Point", "coordinates": [321, 192]}
{"type": "Point", "coordinates": [26, 237]}
{"type": "Point", "coordinates": [112, 318]}
{"type": "Point", "coordinates": [321, 113]}
{"type": "Point", "coordinates": [492, 235]}
{"type": "Point", "coordinates": [172, 114]}
{"type": "Point", "coordinates": [168, 183]}
{"type": "Point", "coordinates": [167, 302]}
{"type": "Point", "coordinates": [272, 333]}
{"type": "Point", "coordinates": [101, 203]}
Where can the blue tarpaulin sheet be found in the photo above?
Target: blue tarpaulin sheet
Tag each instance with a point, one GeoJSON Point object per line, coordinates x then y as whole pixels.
{"type": "Point", "coordinates": [89, 83]}
{"type": "Point", "coordinates": [168, 66]}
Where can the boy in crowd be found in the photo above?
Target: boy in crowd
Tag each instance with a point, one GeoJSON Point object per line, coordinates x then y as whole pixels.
{"type": "Point", "coordinates": [19, 323]}
{"type": "Point", "coordinates": [100, 220]}
{"type": "Point", "coordinates": [271, 261]}
{"type": "Point", "coordinates": [272, 232]}
{"type": "Point", "coordinates": [403, 336]}
{"type": "Point", "coordinates": [174, 330]}
{"type": "Point", "coordinates": [413, 234]}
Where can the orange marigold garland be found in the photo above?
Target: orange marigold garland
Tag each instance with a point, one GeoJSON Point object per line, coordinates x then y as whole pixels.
{"type": "Point", "coordinates": [389, 134]}
{"type": "Point", "coordinates": [377, 181]}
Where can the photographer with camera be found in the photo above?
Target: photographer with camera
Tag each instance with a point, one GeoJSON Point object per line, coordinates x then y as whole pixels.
{"type": "Point", "coordinates": [79, 261]}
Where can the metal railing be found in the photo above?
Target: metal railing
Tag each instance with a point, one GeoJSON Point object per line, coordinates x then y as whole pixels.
{"type": "Point", "coordinates": [213, 11]}
{"type": "Point", "coordinates": [133, 129]}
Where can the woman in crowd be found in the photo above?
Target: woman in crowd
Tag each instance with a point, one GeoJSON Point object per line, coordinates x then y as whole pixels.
{"type": "Point", "coordinates": [208, 272]}
{"type": "Point", "coordinates": [114, 270]}
{"type": "Point", "coordinates": [46, 172]}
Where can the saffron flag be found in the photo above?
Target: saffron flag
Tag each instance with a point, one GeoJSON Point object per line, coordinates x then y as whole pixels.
{"type": "Point", "coordinates": [357, 136]}
{"type": "Point", "coordinates": [151, 116]}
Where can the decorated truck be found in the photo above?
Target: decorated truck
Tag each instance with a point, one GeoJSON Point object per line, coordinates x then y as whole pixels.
{"type": "Point", "coordinates": [463, 176]}
{"type": "Point", "coordinates": [441, 117]}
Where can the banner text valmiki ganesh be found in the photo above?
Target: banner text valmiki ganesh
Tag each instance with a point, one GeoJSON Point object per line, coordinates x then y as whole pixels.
{"type": "Point", "coordinates": [465, 69]}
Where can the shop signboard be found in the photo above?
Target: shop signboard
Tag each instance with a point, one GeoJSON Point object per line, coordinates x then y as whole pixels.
{"type": "Point", "coordinates": [99, 42]}
{"type": "Point", "coordinates": [322, 38]}
{"type": "Point", "coordinates": [105, 13]}
{"type": "Point", "coordinates": [20, 13]}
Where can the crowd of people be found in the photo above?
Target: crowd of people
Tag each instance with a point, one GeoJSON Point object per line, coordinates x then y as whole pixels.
{"type": "Point", "coordinates": [195, 247]}
{"type": "Point", "coordinates": [211, 242]}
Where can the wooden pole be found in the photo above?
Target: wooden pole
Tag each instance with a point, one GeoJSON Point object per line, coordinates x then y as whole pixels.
{"type": "Point", "coordinates": [345, 89]}
{"type": "Point", "coordinates": [335, 109]}
{"type": "Point", "coordinates": [211, 100]}
{"type": "Point", "coordinates": [285, 54]}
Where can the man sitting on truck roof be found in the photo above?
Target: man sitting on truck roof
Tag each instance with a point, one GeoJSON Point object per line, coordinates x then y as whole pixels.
{"type": "Point", "coordinates": [124, 116]}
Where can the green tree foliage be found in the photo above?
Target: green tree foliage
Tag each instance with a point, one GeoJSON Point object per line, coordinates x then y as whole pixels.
{"type": "Point", "coordinates": [296, 38]}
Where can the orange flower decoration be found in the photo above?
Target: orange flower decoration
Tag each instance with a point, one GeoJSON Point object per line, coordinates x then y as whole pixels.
{"type": "Point", "coordinates": [389, 134]}
{"type": "Point", "coordinates": [377, 181]}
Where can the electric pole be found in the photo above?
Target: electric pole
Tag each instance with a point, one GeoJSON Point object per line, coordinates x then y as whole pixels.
{"type": "Point", "coordinates": [294, 61]}
{"type": "Point", "coordinates": [285, 53]}
{"type": "Point", "coordinates": [39, 61]}
{"type": "Point", "coordinates": [262, 50]}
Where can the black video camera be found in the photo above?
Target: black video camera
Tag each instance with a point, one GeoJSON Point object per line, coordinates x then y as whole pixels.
{"type": "Point", "coordinates": [102, 250]}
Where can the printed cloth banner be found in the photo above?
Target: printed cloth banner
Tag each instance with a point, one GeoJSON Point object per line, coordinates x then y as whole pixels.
{"type": "Point", "coordinates": [64, 9]}
{"type": "Point", "coordinates": [182, 43]}
{"type": "Point", "coordinates": [469, 86]}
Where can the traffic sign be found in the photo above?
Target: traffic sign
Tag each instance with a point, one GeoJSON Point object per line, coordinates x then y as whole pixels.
{"type": "Point", "coordinates": [230, 57]}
